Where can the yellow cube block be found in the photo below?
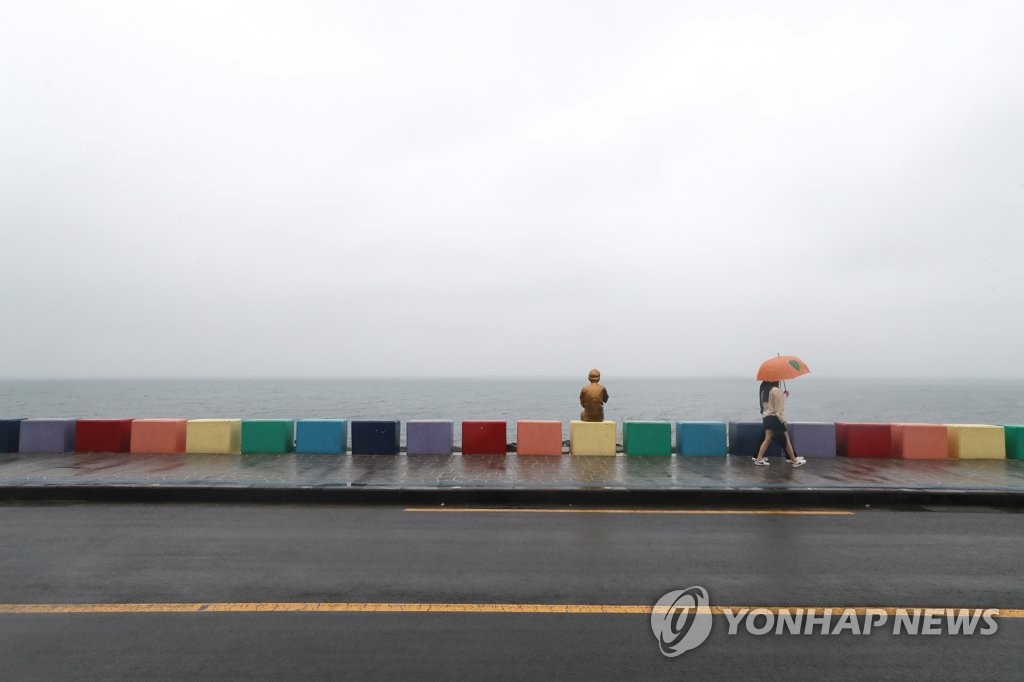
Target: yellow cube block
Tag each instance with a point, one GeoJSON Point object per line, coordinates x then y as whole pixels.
{"type": "Point", "coordinates": [592, 438]}
{"type": "Point", "coordinates": [975, 441]}
{"type": "Point", "coordinates": [213, 436]}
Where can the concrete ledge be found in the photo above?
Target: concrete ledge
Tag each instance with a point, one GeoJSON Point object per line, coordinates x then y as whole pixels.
{"type": "Point", "coordinates": [589, 497]}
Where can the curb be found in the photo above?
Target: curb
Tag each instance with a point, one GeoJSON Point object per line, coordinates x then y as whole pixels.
{"type": "Point", "coordinates": [583, 497]}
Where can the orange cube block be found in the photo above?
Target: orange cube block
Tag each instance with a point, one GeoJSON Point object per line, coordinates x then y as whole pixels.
{"type": "Point", "coordinates": [919, 441]}
{"type": "Point", "coordinates": [535, 437]}
{"type": "Point", "coordinates": [158, 436]}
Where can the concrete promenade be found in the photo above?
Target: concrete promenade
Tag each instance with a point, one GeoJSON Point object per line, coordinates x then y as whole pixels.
{"type": "Point", "coordinates": [505, 479]}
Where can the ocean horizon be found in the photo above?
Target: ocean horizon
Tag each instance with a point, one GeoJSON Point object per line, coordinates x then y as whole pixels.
{"type": "Point", "coordinates": [983, 401]}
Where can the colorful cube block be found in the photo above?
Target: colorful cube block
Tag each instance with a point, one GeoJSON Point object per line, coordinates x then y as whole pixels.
{"type": "Point", "coordinates": [376, 437]}
{"type": "Point", "coordinates": [701, 438]}
{"type": "Point", "coordinates": [268, 436]}
{"type": "Point", "coordinates": [813, 439]}
{"type": "Point", "coordinates": [484, 437]}
{"type": "Point", "coordinates": [429, 437]}
{"type": "Point", "coordinates": [745, 439]}
{"type": "Point", "coordinates": [47, 435]}
{"type": "Point", "coordinates": [103, 435]}
{"type": "Point", "coordinates": [647, 438]}
{"type": "Point", "coordinates": [863, 440]}
{"type": "Point", "coordinates": [213, 436]}
{"type": "Point", "coordinates": [592, 438]}
{"type": "Point", "coordinates": [321, 436]}
{"type": "Point", "coordinates": [10, 434]}
{"type": "Point", "coordinates": [976, 441]}
{"type": "Point", "coordinates": [538, 437]}
{"type": "Point", "coordinates": [919, 441]}
{"type": "Point", "coordinates": [1014, 434]}
{"type": "Point", "coordinates": [159, 436]}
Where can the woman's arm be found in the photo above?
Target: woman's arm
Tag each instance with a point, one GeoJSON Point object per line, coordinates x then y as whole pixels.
{"type": "Point", "coordinates": [776, 403]}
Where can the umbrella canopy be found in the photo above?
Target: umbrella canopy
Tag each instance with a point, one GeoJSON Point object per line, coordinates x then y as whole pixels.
{"type": "Point", "coordinates": [781, 368]}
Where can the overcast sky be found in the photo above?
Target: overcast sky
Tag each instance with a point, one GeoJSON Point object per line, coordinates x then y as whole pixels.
{"type": "Point", "coordinates": [524, 188]}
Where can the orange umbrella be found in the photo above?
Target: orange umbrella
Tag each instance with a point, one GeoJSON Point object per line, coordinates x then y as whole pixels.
{"type": "Point", "coordinates": [781, 368]}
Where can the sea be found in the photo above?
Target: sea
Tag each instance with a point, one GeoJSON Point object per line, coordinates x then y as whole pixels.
{"type": "Point", "coordinates": [696, 399]}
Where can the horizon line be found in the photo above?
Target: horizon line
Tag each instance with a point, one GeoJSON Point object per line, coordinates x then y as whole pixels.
{"type": "Point", "coordinates": [497, 377]}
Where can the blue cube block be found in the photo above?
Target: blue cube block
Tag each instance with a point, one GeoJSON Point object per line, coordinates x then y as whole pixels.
{"type": "Point", "coordinates": [701, 438]}
{"type": "Point", "coordinates": [321, 436]}
{"type": "Point", "coordinates": [10, 430]}
{"type": "Point", "coordinates": [745, 439]}
{"type": "Point", "coordinates": [375, 437]}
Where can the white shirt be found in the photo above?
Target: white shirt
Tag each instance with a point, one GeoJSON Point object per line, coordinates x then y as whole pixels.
{"type": "Point", "coordinates": [776, 405]}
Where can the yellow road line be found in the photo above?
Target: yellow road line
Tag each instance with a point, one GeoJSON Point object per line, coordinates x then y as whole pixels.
{"type": "Point", "coordinates": [489, 510]}
{"type": "Point", "coordinates": [393, 607]}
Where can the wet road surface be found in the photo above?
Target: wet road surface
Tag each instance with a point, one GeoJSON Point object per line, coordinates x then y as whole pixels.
{"type": "Point", "coordinates": [349, 557]}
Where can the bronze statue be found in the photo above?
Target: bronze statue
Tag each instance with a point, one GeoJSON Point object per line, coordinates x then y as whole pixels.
{"type": "Point", "coordinates": [592, 398]}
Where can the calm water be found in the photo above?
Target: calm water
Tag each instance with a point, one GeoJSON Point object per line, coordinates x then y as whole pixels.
{"type": "Point", "coordinates": [811, 399]}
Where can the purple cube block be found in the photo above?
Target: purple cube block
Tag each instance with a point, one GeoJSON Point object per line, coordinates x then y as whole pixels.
{"type": "Point", "coordinates": [425, 437]}
{"type": "Point", "coordinates": [47, 435]}
{"type": "Point", "coordinates": [813, 439]}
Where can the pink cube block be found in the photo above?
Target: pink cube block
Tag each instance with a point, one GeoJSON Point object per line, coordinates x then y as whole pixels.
{"type": "Point", "coordinates": [159, 436]}
{"type": "Point", "coordinates": [919, 441]}
{"type": "Point", "coordinates": [538, 437]}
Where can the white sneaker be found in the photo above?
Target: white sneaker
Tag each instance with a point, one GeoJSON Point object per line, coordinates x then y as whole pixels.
{"type": "Point", "coordinates": [800, 461]}
{"type": "Point", "coordinates": [761, 462]}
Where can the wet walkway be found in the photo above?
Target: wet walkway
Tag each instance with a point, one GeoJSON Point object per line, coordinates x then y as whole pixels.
{"type": "Point", "coordinates": [503, 472]}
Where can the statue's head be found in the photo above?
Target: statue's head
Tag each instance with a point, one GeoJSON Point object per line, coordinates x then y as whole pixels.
{"type": "Point", "coordinates": [594, 376]}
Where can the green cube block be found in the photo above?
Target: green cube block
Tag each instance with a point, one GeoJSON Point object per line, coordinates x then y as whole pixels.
{"type": "Point", "coordinates": [268, 436]}
{"type": "Point", "coordinates": [647, 438]}
{"type": "Point", "coordinates": [1014, 441]}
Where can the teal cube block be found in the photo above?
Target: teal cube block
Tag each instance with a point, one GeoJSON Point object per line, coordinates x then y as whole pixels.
{"type": "Point", "coordinates": [321, 436]}
{"type": "Point", "coordinates": [268, 436]}
{"type": "Point", "coordinates": [647, 438]}
{"type": "Point", "coordinates": [1014, 435]}
{"type": "Point", "coordinates": [701, 438]}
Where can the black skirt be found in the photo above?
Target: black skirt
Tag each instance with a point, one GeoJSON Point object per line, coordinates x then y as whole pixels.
{"type": "Point", "coordinates": [778, 429]}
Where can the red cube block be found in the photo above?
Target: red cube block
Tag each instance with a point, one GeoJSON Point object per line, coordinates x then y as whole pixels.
{"type": "Point", "coordinates": [103, 435]}
{"type": "Point", "coordinates": [483, 437]}
{"type": "Point", "coordinates": [864, 440]}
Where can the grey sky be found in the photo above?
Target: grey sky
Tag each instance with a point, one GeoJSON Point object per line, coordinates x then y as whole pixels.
{"type": "Point", "coordinates": [514, 189]}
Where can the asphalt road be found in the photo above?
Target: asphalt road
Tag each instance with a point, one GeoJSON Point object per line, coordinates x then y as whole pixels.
{"type": "Point", "coordinates": [146, 554]}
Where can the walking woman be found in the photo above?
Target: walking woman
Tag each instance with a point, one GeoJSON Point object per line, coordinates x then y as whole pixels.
{"type": "Point", "coordinates": [773, 415]}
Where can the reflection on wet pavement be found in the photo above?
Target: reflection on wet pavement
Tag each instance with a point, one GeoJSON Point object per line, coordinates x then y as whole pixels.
{"type": "Point", "coordinates": [505, 471]}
